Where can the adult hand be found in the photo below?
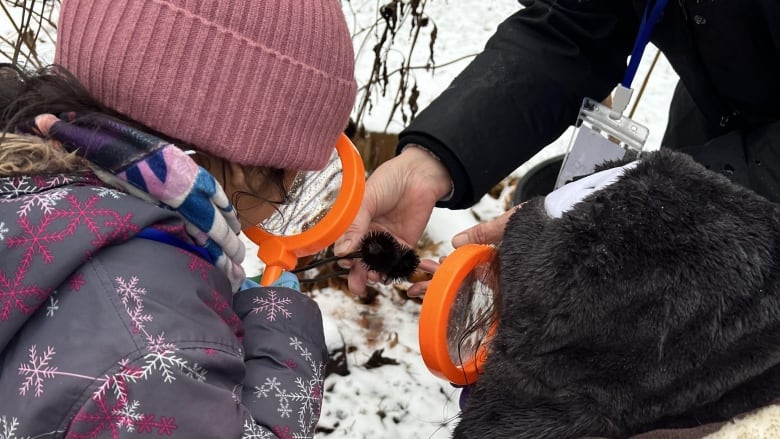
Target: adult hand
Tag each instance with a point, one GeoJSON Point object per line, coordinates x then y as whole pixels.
{"type": "Point", "coordinates": [399, 198]}
{"type": "Point", "coordinates": [428, 266]}
{"type": "Point", "coordinates": [489, 232]}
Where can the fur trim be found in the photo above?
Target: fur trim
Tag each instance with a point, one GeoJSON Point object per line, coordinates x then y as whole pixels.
{"type": "Point", "coordinates": [764, 424]}
{"type": "Point", "coordinates": [653, 303]}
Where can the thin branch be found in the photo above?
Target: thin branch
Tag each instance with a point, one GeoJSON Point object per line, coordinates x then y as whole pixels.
{"type": "Point", "coordinates": [644, 84]}
{"type": "Point", "coordinates": [10, 18]}
{"type": "Point", "coordinates": [433, 68]}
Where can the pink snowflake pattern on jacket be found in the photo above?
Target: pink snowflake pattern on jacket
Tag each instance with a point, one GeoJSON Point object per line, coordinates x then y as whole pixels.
{"type": "Point", "coordinates": [272, 306]}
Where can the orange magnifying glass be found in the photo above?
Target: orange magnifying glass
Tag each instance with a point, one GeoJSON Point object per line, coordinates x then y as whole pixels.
{"type": "Point", "coordinates": [281, 252]}
{"type": "Point", "coordinates": [457, 318]}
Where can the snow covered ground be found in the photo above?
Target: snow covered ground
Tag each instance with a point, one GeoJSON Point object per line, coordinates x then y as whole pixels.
{"type": "Point", "coordinates": [404, 400]}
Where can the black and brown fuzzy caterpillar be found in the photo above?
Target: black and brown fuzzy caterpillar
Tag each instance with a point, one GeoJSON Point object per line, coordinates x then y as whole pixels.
{"type": "Point", "coordinates": [382, 253]}
{"type": "Point", "coordinates": [379, 252]}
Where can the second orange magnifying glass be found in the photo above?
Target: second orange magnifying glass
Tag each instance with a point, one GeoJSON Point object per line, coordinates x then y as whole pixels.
{"type": "Point", "coordinates": [457, 317]}
{"type": "Point", "coordinates": [282, 252]}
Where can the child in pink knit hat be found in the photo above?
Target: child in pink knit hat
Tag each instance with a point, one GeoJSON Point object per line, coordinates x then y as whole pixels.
{"type": "Point", "coordinates": [121, 306]}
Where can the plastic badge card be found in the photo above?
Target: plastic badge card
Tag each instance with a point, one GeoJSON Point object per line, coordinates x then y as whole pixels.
{"type": "Point", "coordinates": [600, 135]}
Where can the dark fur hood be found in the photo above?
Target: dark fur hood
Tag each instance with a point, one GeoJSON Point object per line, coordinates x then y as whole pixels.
{"type": "Point", "coordinates": [653, 303]}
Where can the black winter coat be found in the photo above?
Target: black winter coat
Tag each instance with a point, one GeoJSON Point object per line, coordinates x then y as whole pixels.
{"type": "Point", "coordinates": [526, 87]}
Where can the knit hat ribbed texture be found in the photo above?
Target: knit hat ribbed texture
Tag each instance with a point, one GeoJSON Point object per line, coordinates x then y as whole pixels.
{"type": "Point", "coordinates": [257, 82]}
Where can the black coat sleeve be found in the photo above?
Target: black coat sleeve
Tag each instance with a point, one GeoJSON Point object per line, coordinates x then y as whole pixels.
{"type": "Point", "coordinates": [524, 89]}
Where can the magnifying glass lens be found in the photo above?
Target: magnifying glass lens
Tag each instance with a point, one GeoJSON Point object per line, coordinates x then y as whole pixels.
{"type": "Point", "coordinates": [471, 314]}
{"type": "Point", "coordinates": [311, 196]}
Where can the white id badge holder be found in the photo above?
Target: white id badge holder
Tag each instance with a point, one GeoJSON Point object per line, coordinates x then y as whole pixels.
{"type": "Point", "coordinates": [600, 134]}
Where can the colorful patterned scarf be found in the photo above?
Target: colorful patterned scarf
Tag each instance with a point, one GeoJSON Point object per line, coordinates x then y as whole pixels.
{"type": "Point", "coordinates": [156, 171]}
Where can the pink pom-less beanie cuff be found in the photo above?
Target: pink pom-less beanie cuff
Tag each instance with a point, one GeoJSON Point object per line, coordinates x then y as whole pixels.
{"type": "Point", "coordinates": [257, 82]}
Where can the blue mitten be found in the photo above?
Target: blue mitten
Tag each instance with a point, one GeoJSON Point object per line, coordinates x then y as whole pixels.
{"type": "Point", "coordinates": [286, 280]}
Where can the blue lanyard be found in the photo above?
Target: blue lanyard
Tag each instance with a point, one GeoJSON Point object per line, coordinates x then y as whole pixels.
{"type": "Point", "coordinates": [653, 11]}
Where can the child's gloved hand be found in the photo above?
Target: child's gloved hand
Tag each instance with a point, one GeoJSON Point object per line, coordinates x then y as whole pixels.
{"type": "Point", "coordinates": [563, 199]}
{"type": "Point", "coordinates": [286, 280]}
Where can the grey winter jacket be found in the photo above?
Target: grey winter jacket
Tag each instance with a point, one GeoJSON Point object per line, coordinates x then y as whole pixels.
{"type": "Point", "coordinates": [103, 334]}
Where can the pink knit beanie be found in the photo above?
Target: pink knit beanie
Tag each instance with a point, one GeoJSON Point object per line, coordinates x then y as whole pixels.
{"type": "Point", "coordinates": [257, 82]}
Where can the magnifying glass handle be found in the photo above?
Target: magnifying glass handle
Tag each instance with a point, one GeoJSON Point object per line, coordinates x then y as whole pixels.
{"type": "Point", "coordinates": [277, 258]}
{"type": "Point", "coordinates": [270, 275]}
{"type": "Point", "coordinates": [281, 252]}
